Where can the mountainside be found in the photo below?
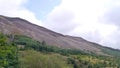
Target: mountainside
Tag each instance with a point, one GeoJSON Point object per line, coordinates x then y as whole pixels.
{"type": "Point", "coordinates": [21, 51]}
{"type": "Point", "coordinates": [18, 26]}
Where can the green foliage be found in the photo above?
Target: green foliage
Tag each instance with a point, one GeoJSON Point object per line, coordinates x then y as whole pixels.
{"type": "Point", "coordinates": [35, 54]}
{"type": "Point", "coordinates": [75, 57]}
{"type": "Point", "coordinates": [8, 53]}
{"type": "Point", "coordinates": [93, 61]}
{"type": "Point", "coordinates": [111, 51]}
{"type": "Point", "coordinates": [3, 39]}
{"type": "Point", "coordinates": [29, 43]}
{"type": "Point", "coordinates": [34, 59]}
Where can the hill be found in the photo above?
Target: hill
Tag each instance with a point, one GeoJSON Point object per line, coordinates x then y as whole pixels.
{"type": "Point", "coordinates": [18, 26]}
{"type": "Point", "coordinates": [25, 52]}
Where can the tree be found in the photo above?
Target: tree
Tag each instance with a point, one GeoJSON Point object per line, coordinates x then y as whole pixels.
{"type": "Point", "coordinates": [8, 53]}
{"type": "Point", "coordinates": [43, 43]}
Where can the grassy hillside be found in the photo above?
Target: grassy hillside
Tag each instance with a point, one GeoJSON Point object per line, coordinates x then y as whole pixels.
{"type": "Point", "coordinates": [23, 52]}
{"type": "Point", "coordinates": [31, 59]}
{"type": "Point", "coordinates": [34, 59]}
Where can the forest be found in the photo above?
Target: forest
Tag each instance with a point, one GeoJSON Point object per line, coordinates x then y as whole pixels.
{"type": "Point", "coordinates": [19, 51]}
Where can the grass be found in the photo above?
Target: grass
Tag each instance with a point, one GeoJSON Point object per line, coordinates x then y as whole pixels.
{"type": "Point", "coordinates": [34, 59]}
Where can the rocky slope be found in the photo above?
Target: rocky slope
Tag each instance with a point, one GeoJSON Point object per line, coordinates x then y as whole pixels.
{"type": "Point", "coordinates": [10, 25]}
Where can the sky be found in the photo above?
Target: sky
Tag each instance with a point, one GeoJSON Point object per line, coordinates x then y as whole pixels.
{"type": "Point", "coordinates": [94, 20]}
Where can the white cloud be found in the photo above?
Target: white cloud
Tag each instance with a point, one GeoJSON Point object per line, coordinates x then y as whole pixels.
{"type": "Point", "coordinates": [15, 8]}
{"type": "Point", "coordinates": [84, 18]}
{"type": "Point", "coordinates": [28, 15]}
{"type": "Point", "coordinates": [90, 19]}
{"type": "Point", "coordinates": [60, 21]}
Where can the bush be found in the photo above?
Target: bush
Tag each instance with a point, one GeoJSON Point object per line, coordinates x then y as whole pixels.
{"type": "Point", "coordinates": [8, 53]}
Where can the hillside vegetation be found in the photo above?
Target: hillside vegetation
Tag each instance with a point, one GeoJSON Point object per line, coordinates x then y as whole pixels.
{"type": "Point", "coordinates": [18, 51]}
